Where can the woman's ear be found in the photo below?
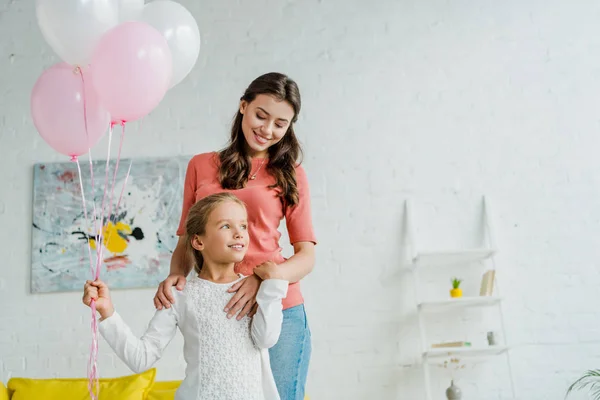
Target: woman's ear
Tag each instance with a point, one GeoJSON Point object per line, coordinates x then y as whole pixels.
{"type": "Point", "coordinates": [197, 243]}
{"type": "Point", "coordinates": [243, 106]}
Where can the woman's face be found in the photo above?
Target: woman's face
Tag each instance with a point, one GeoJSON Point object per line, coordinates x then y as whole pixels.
{"type": "Point", "coordinates": [265, 121]}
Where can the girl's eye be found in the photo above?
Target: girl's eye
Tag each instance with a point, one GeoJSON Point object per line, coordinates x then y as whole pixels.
{"type": "Point", "coordinates": [244, 227]}
{"type": "Point", "coordinates": [225, 226]}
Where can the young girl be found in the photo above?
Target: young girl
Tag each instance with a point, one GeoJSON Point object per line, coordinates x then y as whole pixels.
{"type": "Point", "coordinates": [226, 358]}
{"type": "Point", "coordinates": [261, 166]}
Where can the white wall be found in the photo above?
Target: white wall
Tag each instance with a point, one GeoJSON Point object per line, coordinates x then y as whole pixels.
{"type": "Point", "coordinates": [437, 101]}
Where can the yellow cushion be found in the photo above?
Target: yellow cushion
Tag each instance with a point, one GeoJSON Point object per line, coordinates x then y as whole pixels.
{"type": "Point", "coordinates": [165, 385]}
{"type": "Point", "coordinates": [132, 387]}
{"type": "Point", "coordinates": [163, 390]}
{"type": "Point", "coordinates": [3, 392]}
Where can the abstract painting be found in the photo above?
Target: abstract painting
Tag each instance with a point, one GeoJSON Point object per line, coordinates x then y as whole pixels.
{"type": "Point", "coordinates": [139, 236]}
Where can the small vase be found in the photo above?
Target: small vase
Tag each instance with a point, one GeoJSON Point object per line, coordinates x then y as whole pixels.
{"type": "Point", "coordinates": [453, 392]}
{"type": "Point", "coordinates": [456, 292]}
{"type": "Point", "coordinates": [491, 337]}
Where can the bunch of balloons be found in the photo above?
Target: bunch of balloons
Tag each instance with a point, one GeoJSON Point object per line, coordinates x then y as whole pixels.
{"type": "Point", "coordinates": [120, 57]}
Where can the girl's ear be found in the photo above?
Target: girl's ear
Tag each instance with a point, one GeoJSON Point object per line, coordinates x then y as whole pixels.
{"type": "Point", "coordinates": [197, 243]}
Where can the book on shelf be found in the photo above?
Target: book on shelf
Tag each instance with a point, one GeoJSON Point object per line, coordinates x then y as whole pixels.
{"type": "Point", "coordinates": [487, 283]}
{"type": "Point", "coordinates": [450, 344]}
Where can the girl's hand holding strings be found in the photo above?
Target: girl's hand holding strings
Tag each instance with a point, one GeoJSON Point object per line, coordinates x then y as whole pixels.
{"type": "Point", "coordinates": [98, 291]}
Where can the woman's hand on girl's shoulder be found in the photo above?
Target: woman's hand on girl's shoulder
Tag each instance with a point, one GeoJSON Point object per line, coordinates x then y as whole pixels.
{"type": "Point", "coordinates": [268, 270]}
{"type": "Point", "coordinates": [244, 299]}
{"type": "Point", "coordinates": [164, 297]}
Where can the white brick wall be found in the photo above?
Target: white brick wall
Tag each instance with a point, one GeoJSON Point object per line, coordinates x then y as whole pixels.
{"type": "Point", "coordinates": [439, 101]}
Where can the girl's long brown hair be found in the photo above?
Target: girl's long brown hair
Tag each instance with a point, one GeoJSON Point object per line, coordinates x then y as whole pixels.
{"type": "Point", "coordinates": [235, 162]}
{"type": "Point", "coordinates": [196, 221]}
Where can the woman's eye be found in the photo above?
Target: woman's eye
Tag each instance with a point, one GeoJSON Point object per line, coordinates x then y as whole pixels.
{"type": "Point", "coordinates": [260, 116]}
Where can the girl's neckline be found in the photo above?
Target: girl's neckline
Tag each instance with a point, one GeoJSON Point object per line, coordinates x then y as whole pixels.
{"type": "Point", "coordinates": [221, 284]}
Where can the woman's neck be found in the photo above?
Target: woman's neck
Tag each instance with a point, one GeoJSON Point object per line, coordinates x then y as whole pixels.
{"type": "Point", "coordinates": [257, 154]}
{"type": "Point", "coordinates": [218, 273]}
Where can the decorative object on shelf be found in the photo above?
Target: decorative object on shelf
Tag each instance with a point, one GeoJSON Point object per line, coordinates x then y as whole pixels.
{"type": "Point", "coordinates": [453, 392]}
{"type": "Point", "coordinates": [466, 352]}
{"type": "Point", "coordinates": [491, 337]}
{"type": "Point", "coordinates": [487, 283]}
{"type": "Point", "coordinates": [456, 290]}
{"type": "Point", "coordinates": [450, 344]}
{"type": "Point", "coordinates": [452, 364]}
{"type": "Point", "coordinates": [591, 380]}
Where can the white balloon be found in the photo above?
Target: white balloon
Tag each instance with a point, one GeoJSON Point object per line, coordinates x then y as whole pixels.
{"type": "Point", "coordinates": [180, 29]}
{"type": "Point", "coordinates": [130, 10]}
{"type": "Point", "coordinates": [73, 27]}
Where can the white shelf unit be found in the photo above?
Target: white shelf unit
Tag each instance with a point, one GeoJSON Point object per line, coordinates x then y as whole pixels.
{"type": "Point", "coordinates": [471, 352]}
{"type": "Point", "coordinates": [450, 258]}
{"type": "Point", "coordinates": [419, 259]}
{"type": "Point", "coordinates": [463, 302]}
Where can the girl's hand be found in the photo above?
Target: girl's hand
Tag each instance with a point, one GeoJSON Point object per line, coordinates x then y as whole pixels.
{"type": "Point", "coordinates": [98, 291]}
{"type": "Point", "coordinates": [244, 299]}
{"type": "Point", "coordinates": [268, 270]}
{"type": "Point", "coordinates": [164, 297]}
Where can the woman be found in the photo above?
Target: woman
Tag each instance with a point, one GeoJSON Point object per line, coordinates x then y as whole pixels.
{"type": "Point", "coordinates": [261, 167]}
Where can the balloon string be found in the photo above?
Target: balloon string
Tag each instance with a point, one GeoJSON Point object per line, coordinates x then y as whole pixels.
{"type": "Point", "coordinates": [99, 247]}
{"type": "Point", "coordinates": [93, 383]}
{"type": "Point", "coordinates": [124, 184]}
{"type": "Point", "coordinates": [93, 380]}
{"type": "Point", "coordinates": [130, 164]}
{"type": "Point", "coordinates": [87, 223]}
{"type": "Point", "coordinates": [128, 169]}
{"type": "Point", "coordinates": [95, 218]}
{"type": "Point", "coordinates": [87, 135]}
{"type": "Point", "coordinates": [112, 191]}
{"type": "Point", "coordinates": [79, 70]}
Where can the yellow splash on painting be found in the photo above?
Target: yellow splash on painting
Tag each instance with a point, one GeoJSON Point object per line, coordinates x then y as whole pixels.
{"type": "Point", "coordinates": [113, 238]}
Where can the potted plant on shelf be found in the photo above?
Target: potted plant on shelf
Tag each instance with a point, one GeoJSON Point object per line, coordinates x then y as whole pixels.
{"type": "Point", "coordinates": [456, 290]}
{"type": "Point", "coordinates": [591, 380]}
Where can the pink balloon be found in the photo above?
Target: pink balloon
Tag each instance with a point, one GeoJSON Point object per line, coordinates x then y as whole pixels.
{"type": "Point", "coordinates": [58, 100]}
{"type": "Point", "coordinates": [132, 70]}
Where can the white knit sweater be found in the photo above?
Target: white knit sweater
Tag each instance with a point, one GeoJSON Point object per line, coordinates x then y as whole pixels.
{"type": "Point", "coordinates": [226, 359]}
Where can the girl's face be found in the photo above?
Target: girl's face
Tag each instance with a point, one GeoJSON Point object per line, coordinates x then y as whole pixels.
{"type": "Point", "coordinates": [226, 237]}
{"type": "Point", "coordinates": [265, 121]}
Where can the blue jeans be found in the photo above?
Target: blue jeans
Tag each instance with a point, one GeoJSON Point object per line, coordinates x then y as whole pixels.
{"type": "Point", "coordinates": [291, 355]}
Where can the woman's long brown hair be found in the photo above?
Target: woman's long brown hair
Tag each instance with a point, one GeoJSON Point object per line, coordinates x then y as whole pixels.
{"type": "Point", "coordinates": [235, 162]}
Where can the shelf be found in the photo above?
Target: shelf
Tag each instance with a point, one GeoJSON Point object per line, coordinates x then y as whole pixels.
{"type": "Point", "coordinates": [451, 257]}
{"type": "Point", "coordinates": [462, 302]}
{"type": "Point", "coordinates": [464, 352]}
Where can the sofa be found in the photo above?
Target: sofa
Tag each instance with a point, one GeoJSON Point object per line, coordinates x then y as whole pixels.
{"type": "Point", "coordinates": [132, 387]}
